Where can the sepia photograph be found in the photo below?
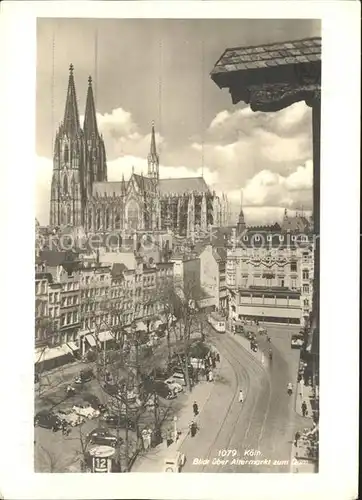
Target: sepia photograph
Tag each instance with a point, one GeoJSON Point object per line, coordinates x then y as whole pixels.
{"type": "Point", "coordinates": [177, 245]}
{"type": "Point", "coordinates": [179, 211]}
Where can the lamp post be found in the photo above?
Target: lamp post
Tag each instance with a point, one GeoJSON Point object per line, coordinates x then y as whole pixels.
{"type": "Point", "coordinates": [175, 431]}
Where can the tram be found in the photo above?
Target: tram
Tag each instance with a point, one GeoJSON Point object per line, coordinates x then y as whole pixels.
{"type": "Point", "coordinates": [217, 322]}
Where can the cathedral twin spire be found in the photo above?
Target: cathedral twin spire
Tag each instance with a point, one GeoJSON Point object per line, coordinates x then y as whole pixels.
{"type": "Point", "coordinates": [71, 122]}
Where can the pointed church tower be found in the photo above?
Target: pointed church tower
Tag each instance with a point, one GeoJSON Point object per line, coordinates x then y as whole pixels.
{"type": "Point", "coordinates": [66, 186]}
{"type": "Point", "coordinates": [241, 226]}
{"type": "Point", "coordinates": [95, 165]}
{"type": "Point", "coordinates": [153, 159]}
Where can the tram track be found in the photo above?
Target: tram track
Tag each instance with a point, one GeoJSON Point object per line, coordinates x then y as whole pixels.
{"type": "Point", "coordinates": [226, 434]}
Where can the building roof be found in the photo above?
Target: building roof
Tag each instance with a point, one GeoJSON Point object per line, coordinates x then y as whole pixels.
{"type": "Point", "coordinates": [108, 188]}
{"type": "Point", "coordinates": [219, 253]}
{"type": "Point", "coordinates": [144, 183]}
{"type": "Point", "coordinates": [52, 258]}
{"type": "Point", "coordinates": [183, 185]}
{"type": "Point", "coordinates": [117, 269]}
{"type": "Point", "coordinates": [44, 276]}
{"type": "Point", "coordinates": [270, 55]}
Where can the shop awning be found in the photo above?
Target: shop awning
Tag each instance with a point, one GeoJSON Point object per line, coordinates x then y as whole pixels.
{"type": "Point", "coordinates": [49, 353]}
{"type": "Point", "coordinates": [105, 336]}
{"type": "Point", "coordinates": [73, 346]}
{"type": "Point", "coordinates": [91, 340]}
{"type": "Point", "coordinates": [141, 327]}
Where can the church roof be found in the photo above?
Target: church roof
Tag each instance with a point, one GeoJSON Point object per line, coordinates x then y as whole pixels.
{"type": "Point", "coordinates": [144, 183]}
{"type": "Point", "coordinates": [183, 185]}
{"type": "Point", "coordinates": [108, 188]}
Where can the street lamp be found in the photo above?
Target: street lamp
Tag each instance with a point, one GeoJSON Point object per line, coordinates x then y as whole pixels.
{"type": "Point", "coordinates": [175, 428]}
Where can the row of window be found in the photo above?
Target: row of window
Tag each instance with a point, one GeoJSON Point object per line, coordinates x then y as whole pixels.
{"type": "Point", "coordinates": [70, 301]}
{"type": "Point", "coordinates": [69, 318]}
{"type": "Point", "coordinates": [41, 287]}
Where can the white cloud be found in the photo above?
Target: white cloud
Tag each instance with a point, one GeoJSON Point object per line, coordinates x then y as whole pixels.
{"type": "Point", "coordinates": [270, 188]}
{"type": "Point", "coordinates": [265, 155]}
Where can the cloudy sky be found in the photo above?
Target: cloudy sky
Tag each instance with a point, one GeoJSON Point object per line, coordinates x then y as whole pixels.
{"type": "Point", "coordinates": [146, 70]}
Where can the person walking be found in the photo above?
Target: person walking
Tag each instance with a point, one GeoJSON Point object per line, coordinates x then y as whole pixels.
{"type": "Point", "coordinates": [195, 407]}
{"type": "Point", "coordinates": [169, 437]}
{"type": "Point", "coordinates": [193, 428]}
{"type": "Point", "coordinates": [296, 438]}
{"type": "Point", "coordinates": [304, 409]}
{"type": "Point", "coordinates": [217, 357]}
{"type": "Point", "coordinates": [241, 396]}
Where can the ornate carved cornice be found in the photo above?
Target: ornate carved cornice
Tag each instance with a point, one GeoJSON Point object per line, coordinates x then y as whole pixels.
{"type": "Point", "coordinates": [276, 96]}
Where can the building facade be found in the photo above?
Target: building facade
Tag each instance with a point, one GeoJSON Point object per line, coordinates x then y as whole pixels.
{"type": "Point", "coordinates": [82, 196]}
{"type": "Point", "coordinates": [213, 275]}
{"type": "Point", "coordinates": [269, 276]}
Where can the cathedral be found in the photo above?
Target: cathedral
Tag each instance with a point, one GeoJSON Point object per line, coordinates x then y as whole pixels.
{"type": "Point", "coordinates": [82, 196]}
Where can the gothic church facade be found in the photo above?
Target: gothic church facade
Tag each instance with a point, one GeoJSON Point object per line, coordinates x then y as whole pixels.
{"type": "Point", "coordinates": [82, 196]}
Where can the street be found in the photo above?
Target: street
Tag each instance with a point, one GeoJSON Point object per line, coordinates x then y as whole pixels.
{"type": "Point", "coordinates": [255, 436]}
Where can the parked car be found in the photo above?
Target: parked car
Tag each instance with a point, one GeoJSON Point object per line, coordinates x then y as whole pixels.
{"type": "Point", "coordinates": [84, 376]}
{"type": "Point", "coordinates": [119, 421]}
{"type": "Point", "coordinates": [72, 418]}
{"type": "Point", "coordinates": [47, 420]}
{"type": "Point", "coordinates": [174, 385]}
{"type": "Point", "coordinates": [162, 390]}
{"type": "Point", "coordinates": [94, 402]}
{"type": "Point", "coordinates": [86, 411]}
{"type": "Point", "coordinates": [254, 346]}
{"type": "Point", "coordinates": [102, 437]}
{"type": "Point", "coordinates": [174, 463]}
{"type": "Point", "coordinates": [179, 378]}
{"type": "Point", "coordinates": [297, 341]}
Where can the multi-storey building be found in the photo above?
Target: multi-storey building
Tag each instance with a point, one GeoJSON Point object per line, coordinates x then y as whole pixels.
{"type": "Point", "coordinates": [42, 325]}
{"type": "Point", "coordinates": [268, 275]}
{"type": "Point", "coordinates": [95, 285]}
{"type": "Point", "coordinates": [213, 275]}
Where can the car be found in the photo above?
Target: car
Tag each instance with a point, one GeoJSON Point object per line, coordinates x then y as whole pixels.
{"type": "Point", "coordinates": [84, 376]}
{"type": "Point", "coordinates": [262, 331]}
{"type": "Point", "coordinates": [174, 463]}
{"type": "Point", "coordinates": [254, 346]}
{"type": "Point", "coordinates": [86, 411]}
{"type": "Point", "coordinates": [162, 390]}
{"type": "Point", "coordinates": [71, 418]}
{"type": "Point", "coordinates": [179, 378]}
{"type": "Point", "coordinates": [114, 421]}
{"type": "Point", "coordinates": [47, 420]}
{"type": "Point", "coordinates": [103, 437]}
{"type": "Point", "coordinates": [174, 385]}
{"type": "Point", "coordinates": [297, 341]}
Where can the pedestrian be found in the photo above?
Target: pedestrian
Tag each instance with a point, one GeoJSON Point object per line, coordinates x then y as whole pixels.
{"type": "Point", "coordinates": [211, 376]}
{"type": "Point", "coordinates": [241, 396]}
{"type": "Point", "coordinates": [296, 438]}
{"type": "Point", "coordinates": [217, 357]}
{"type": "Point", "coordinates": [304, 409]}
{"type": "Point", "coordinates": [193, 428]}
{"type": "Point", "coordinates": [64, 428]}
{"type": "Point", "coordinates": [169, 437]}
{"type": "Point", "coordinates": [195, 408]}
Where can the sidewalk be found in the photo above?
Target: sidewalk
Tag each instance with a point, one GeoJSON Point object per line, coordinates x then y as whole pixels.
{"type": "Point", "coordinates": [301, 461]}
{"type": "Point", "coordinates": [153, 460]}
{"type": "Point", "coordinates": [304, 393]}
